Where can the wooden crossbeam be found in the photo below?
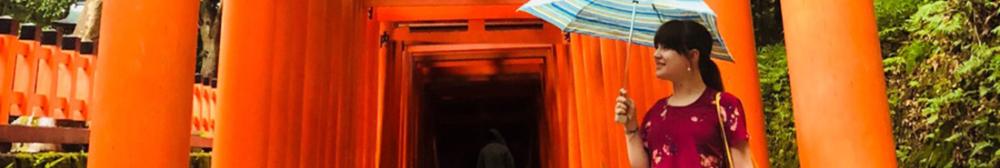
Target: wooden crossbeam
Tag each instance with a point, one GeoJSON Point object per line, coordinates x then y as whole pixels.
{"type": "Point", "coordinates": [58, 135]}
{"type": "Point", "coordinates": [15, 133]}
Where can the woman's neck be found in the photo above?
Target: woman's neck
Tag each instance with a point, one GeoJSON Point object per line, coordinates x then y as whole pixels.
{"type": "Point", "coordinates": [687, 90]}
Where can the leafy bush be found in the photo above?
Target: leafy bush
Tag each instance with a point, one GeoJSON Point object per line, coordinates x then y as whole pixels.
{"type": "Point", "coordinates": [773, 69]}
{"type": "Point", "coordinates": [767, 24]}
{"type": "Point", "coordinates": [201, 160]}
{"type": "Point", "coordinates": [942, 59]}
{"type": "Point", "coordinates": [44, 160]}
{"type": "Point", "coordinates": [891, 15]}
{"type": "Point", "coordinates": [76, 160]}
{"type": "Point", "coordinates": [40, 12]}
{"type": "Point", "coordinates": [943, 79]}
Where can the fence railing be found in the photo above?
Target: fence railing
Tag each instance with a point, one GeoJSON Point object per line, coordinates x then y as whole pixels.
{"type": "Point", "coordinates": [48, 75]}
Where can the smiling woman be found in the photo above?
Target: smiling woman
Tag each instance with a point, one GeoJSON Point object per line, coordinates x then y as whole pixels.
{"type": "Point", "coordinates": [665, 137]}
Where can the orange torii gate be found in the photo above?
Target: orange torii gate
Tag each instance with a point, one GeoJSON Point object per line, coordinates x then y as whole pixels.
{"type": "Point", "coordinates": [302, 84]}
{"type": "Point", "coordinates": [143, 87]}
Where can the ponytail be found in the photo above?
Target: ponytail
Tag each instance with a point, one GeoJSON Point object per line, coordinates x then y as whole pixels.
{"type": "Point", "coordinates": [710, 74]}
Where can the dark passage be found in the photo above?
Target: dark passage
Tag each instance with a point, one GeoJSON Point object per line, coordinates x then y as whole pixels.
{"type": "Point", "coordinates": [459, 108]}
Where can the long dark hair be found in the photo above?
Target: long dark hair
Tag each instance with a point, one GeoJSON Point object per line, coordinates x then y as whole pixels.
{"type": "Point", "coordinates": [682, 36]}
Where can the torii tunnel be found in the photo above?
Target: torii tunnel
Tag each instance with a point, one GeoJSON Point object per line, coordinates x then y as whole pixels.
{"type": "Point", "coordinates": [409, 83]}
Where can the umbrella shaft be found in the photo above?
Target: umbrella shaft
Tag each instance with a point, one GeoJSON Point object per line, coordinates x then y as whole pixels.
{"type": "Point", "coordinates": [628, 47]}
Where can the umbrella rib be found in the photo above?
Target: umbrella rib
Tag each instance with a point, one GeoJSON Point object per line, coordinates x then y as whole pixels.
{"type": "Point", "coordinates": [658, 14]}
{"type": "Point", "coordinates": [577, 13]}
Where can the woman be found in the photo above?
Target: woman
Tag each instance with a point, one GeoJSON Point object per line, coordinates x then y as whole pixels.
{"type": "Point", "coordinates": [683, 130]}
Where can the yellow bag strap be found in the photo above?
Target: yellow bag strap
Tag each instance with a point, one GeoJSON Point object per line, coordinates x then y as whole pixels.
{"type": "Point", "coordinates": [722, 127]}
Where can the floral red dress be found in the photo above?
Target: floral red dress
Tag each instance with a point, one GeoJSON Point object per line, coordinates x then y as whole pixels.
{"type": "Point", "coordinates": [689, 136]}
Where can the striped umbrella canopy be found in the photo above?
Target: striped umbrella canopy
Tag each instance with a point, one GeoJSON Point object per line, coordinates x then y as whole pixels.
{"type": "Point", "coordinates": [635, 21]}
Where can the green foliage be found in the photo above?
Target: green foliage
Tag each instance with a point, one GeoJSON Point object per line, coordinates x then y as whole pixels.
{"type": "Point", "coordinates": [768, 28]}
{"type": "Point", "coordinates": [43, 160]}
{"type": "Point", "coordinates": [201, 160]}
{"type": "Point", "coordinates": [942, 59]}
{"type": "Point", "coordinates": [76, 160]}
{"type": "Point", "coordinates": [40, 12]}
{"type": "Point", "coordinates": [773, 69]}
{"type": "Point", "coordinates": [891, 16]}
{"type": "Point", "coordinates": [942, 82]}
{"type": "Point", "coordinates": [892, 13]}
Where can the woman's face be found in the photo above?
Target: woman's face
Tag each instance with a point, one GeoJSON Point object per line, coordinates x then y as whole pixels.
{"type": "Point", "coordinates": [670, 63]}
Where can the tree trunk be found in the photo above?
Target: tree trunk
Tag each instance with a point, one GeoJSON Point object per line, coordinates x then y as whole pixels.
{"type": "Point", "coordinates": [210, 45]}
{"type": "Point", "coordinates": [89, 24]}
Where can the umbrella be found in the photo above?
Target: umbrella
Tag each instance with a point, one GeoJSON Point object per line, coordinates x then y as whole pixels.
{"type": "Point", "coordinates": [634, 21]}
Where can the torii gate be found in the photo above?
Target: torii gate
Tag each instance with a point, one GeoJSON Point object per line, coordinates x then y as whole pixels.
{"type": "Point", "coordinates": [142, 90]}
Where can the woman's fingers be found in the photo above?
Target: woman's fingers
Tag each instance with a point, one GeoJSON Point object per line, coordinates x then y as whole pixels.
{"type": "Point", "coordinates": [623, 107]}
{"type": "Point", "coordinates": [622, 103]}
{"type": "Point", "coordinates": [620, 113]}
{"type": "Point", "coordinates": [623, 110]}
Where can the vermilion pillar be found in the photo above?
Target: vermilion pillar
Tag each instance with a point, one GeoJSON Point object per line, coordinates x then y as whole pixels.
{"type": "Point", "coordinates": [344, 71]}
{"type": "Point", "coordinates": [143, 88]}
{"type": "Point", "coordinates": [277, 147]}
{"type": "Point", "coordinates": [741, 78]}
{"type": "Point", "coordinates": [381, 119]}
{"type": "Point", "coordinates": [291, 17]}
{"type": "Point", "coordinates": [333, 134]}
{"type": "Point", "coordinates": [838, 87]}
{"type": "Point", "coordinates": [315, 84]}
{"type": "Point", "coordinates": [369, 93]}
{"type": "Point", "coordinates": [244, 84]}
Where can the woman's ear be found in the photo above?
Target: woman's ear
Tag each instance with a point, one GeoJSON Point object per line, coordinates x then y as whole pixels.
{"type": "Point", "coordinates": [693, 55]}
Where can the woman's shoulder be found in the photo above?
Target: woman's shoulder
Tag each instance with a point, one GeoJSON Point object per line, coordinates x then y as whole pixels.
{"type": "Point", "coordinates": [727, 98]}
{"type": "Point", "coordinates": [659, 104]}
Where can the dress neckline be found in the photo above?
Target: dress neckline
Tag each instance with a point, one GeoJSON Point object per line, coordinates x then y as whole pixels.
{"type": "Point", "coordinates": [701, 99]}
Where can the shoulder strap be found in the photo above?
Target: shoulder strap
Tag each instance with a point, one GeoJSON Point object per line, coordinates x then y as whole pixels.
{"type": "Point", "coordinates": [722, 127]}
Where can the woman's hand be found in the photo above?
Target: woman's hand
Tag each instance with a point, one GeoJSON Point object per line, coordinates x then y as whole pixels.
{"type": "Point", "coordinates": [625, 110]}
{"type": "Point", "coordinates": [625, 115]}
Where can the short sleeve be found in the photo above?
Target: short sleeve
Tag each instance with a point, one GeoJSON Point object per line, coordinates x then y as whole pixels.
{"type": "Point", "coordinates": [735, 120]}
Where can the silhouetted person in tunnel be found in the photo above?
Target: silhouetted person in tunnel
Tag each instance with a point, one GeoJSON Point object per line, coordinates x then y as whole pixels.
{"type": "Point", "coordinates": [495, 154]}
